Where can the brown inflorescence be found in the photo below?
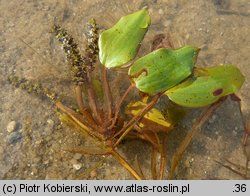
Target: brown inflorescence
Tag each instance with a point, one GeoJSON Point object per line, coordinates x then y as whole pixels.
{"type": "Point", "coordinates": [80, 65]}
{"type": "Point", "coordinates": [91, 50]}
{"type": "Point", "coordinates": [32, 87]}
{"type": "Point", "coordinates": [73, 54]}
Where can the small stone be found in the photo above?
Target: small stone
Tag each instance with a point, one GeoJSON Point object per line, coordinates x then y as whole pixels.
{"type": "Point", "coordinates": [93, 174]}
{"type": "Point", "coordinates": [77, 166]}
{"type": "Point", "coordinates": [160, 11]}
{"type": "Point", "coordinates": [38, 142]}
{"type": "Point", "coordinates": [190, 171]}
{"type": "Point", "coordinates": [46, 162]}
{"type": "Point", "coordinates": [77, 156]}
{"type": "Point", "coordinates": [212, 119]}
{"type": "Point", "coordinates": [14, 137]}
{"type": "Point", "coordinates": [48, 138]}
{"type": "Point", "coordinates": [11, 126]}
{"type": "Point", "coordinates": [166, 23]}
{"type": "Point", "coordinates": [34, 171]}
{"type": "Point", "coordinates": [187, 163]}
{"type": "Point", "coordinates": [50, 123]}
{"type": "Point", "coordinates": [187, 36]}
{"type": "Point", "coordinates": [234, 133]}
{"type": "Point", "coordinates": [36, 160]}
{"type": "Point", "coordinates": [73, 161]}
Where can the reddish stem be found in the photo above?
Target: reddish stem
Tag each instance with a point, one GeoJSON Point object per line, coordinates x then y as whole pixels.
{"type": "Point", "coordinates": [127, 128]}
{"type": "Point", "coordinates": [92, 99]}
{"type": "Point", "coordinates": [163, 157]}
{"type": "Point", "coordinates": [107, 92]}
{"type": "Point", "coordinates": [118, 107]}
{"type": "Point", "coordinates": [79, 100]}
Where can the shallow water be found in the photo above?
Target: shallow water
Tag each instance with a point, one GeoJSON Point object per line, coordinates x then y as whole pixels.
{"type": "Point", "coordinates": [33, 148]}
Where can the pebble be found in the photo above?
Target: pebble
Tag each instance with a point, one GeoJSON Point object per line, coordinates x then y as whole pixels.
{"type": "Point", "coordinates": [14, 137]}
{"type": "Point", "coordinates": [77, 156]}
{"type": "Point", "coordinates": [46, 162]}
{"type": "Point", "coordinates": [77, 166]}
{"type": "Point", "coordinates": [188, 162]}
{"type": "Point", "coordinates": [49, 128]}
{"type": "Point", "coordinates": [167, 23]}
{"type": "Point", "coordinates": [93, 174]}
{"type": "Point", "coordinates": [212, 119]}
{"type": "Point", "coordinates": [11, 126]}
{"type": "Point", "coordinates": [34, 171]}
{"type": "Point", "coordinates": [161, 11]}
{"type": "Point", "coordinates": [190, 171]}
{"type": "Point", "coordinates": [36, 159]}
{"type": "Point", "coordinates": [234, 133]}
{"type": "Point", "coordinates": [50, 123]}
{"type": "Point", "coordinates": [73, 161]}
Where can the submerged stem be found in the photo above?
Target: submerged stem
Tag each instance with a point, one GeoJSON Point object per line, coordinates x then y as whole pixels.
{"type": "Point", "coordinates": [195, 128]}
{"type": "Point", "coordinates": [118, 107]}
{"type": "Point", "coordinates": [92, 99]}
{"type": "Point", "coordinates": [82, 108]}
{"type": "Point", "coordinates": [77, 119]}
{"type": "Point", "coordinates": [163, 157]}
{"type": "Point", "coordinates": [79, 100]}
{"type": "Point", "coordinates": [153, 163]}
{"type": "Point", "coordinates": [127, 128]}
{"type": "Point", "coordinates": [96, 166]}
{"type": "Point", "coordinates": [233, 170]}
{"type": "Point", "coordinates": [107, 92]}
{"type": "Point", "coordinates": [125, 164]}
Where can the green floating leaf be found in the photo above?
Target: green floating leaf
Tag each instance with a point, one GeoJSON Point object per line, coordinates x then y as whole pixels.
{"type": "Point", "coordinates": [119, 44]}
{"type": "Point", "coordinates": [207, 86]}
{"type": "Point", "coordinates": [163, 68]}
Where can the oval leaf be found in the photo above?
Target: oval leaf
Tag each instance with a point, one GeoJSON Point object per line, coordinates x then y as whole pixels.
{"type": "Point", "coordinates": [163, 69]}
{"type": "Point", "coordinates": [119, 44]}
{"type": "Point", "coordinates": [207, 86]}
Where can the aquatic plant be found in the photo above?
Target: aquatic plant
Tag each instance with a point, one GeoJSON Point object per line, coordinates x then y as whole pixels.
{"type": "Point", "coordinates": [163, 72]}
